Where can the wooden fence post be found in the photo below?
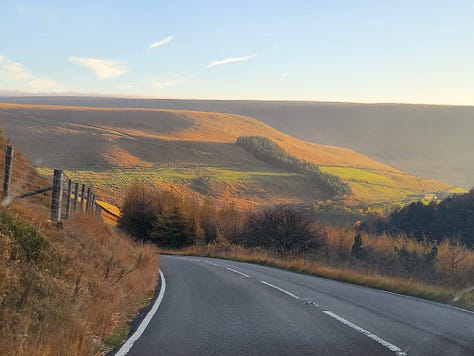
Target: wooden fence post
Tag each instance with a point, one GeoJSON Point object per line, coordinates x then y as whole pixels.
{"type": "Point", "coordinates": [91, 206]}
{"type": "Point", "coordinates": [89, 196]}
{"type": "Point", "coordinates": [68, 199]}
{"type": "Point", "coordinates": [8, 171]}
{"type": "Point", "coordinates": [83, 188]}
{"type": "Point", "coordinates": [98, 209]}
{"type": "Point", "coordinates": [76, 193]}
{"type": "Point", "coordinates": [57, 197]}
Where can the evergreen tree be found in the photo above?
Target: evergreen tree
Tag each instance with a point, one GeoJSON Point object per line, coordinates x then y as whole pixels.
{"type": "Point", "coordinates": [358, 251]}
{"type": "Point", "coordinates": [138, 211]}
{"type": "Point", "coordinates": [172, 230]}
{"type": "Point", "coordinates": [357, 248]}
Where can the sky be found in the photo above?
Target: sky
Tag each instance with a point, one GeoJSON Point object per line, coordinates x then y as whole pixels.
{"type": "Point", "coordinates": [399, 51]}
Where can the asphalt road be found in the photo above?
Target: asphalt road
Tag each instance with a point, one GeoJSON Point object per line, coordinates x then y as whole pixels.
{"type": "Point", "coordinates": [219, 307]}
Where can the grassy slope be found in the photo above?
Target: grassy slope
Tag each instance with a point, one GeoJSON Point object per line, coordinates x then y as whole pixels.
{"type": "Point", "coordinates": [197, 148]}
{"type": "Point", "coordinates": [427, 140]}
{"type": "Point", "coordinates": [65, 291]}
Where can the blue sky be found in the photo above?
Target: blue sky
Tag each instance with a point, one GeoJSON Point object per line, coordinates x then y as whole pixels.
{"type": "Point", "coordinates": [362, 51]}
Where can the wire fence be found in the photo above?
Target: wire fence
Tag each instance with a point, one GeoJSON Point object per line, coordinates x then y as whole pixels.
{"type": "Point", "coordinates": [63, 196]}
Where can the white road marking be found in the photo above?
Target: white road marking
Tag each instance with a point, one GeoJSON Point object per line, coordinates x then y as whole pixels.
{"type": "Point", "coordinates": [367, 333]}
{"type": "Point", "coordinates": [141, 328]}
{"type": "Point", "coordinates": [280, 289]}
{"type": "Point", "coordinates": [212, 263]}
{"type": "Point", "coordinates": [238, 272]}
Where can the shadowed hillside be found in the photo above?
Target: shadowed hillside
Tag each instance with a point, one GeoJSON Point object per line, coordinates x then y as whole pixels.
{"type": "Point", "coordinates": [427, 140]}
{"type": "Point", "coordinates": [192, 152]}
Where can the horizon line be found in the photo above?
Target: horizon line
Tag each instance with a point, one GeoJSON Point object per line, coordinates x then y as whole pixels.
{"type": "Point", "coordinates": [19, 94]}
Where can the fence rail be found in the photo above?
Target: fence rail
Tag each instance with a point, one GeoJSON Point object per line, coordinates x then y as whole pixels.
{"type": "Point", "coordinates": [68, 197]}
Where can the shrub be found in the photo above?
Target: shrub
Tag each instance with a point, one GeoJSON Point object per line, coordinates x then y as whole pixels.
{"type": "Point", "coordinates": [138, 211]}
{"type": "Point", "coordinates": [27, 243]}
{"type": "Point", "coordinates": [282, 229]}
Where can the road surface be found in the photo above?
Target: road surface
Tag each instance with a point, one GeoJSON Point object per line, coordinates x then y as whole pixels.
{"type": "Point", "coordinates": [220, 307]}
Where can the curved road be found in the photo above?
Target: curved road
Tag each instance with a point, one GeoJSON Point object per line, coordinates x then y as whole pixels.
{"type": "Point", "coordinates": [220, 307]}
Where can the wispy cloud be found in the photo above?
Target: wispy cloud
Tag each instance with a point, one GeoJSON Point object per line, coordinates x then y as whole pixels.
{"type": "Point", "coordinates": [15, 71]}
{"type": "Point", "coordinates": [160, 84]}
{"type": "Point", "coordinates": [161, 42]}
{"type": "Point", "coordinates": [15, 76]}
{"type": "Point", "coordinates": [170, 80]}
{"type": "Point", "coordinates": [103, 68]}
{"type": "Point", "coordinates": [230, 60]}
{"type": "Point", "coordinates": [126, 86]}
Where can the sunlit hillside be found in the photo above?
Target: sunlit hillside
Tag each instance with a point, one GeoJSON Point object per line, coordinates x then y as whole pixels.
{"type": "Point", "coordinates": [64, 291]}
{"type": "Point", "coordinates": [427, 140]}
{"type": "Point", "coordinates": [192, 153]}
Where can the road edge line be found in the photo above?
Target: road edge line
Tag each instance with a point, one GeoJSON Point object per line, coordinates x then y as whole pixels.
{"type": "Point", "coordinates": [143, 325]}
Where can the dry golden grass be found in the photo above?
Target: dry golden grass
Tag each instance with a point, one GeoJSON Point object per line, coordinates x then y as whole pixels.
{"type": "Point", "coordinates": [145, 137]}
{"type": "Point", "coordinates": [68, 291]}
{"type": "Point", "coordinates": [118, 157]}
{"type": "Point", "coordinates": [78, 295]}
{"type": "Point", "coordinates": [226, 128]}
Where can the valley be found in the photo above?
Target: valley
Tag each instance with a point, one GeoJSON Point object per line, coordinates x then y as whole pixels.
{"type": "Point", "coordinates": [193, 154]}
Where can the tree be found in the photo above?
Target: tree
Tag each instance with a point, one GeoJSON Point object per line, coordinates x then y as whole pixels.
{"type": "Point", "coordinates": [454, 216]}
{"type": "Point", "coordinates": [138, 211]}
{"type": "Point", "coordinates": [172, 230]}
{"type": "Point", "coordinates": [357, 248]}
{"type": "Point", "coordinates": [281, 228]}
{"type": "Point", "coordinates": [358, 251]}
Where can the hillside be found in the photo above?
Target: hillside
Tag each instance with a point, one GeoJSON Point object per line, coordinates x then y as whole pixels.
{"type": "Point", "coordinates": [193, 153]}
{"type": "Point", "coordinates": [69, 290]}
{"type": "Point", "coordinates": [426, 140]}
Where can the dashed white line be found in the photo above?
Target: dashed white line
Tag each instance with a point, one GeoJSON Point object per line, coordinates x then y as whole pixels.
{"type": "Point", "coordinates": [280, 289]}
{"type": "Point", "coordinates": [212, 263]}
{"type": "Point", "coordinates": [391, 347]}
{"type": "Point", "coordinates": [388, 345]}
{"type": "Point", "coordinates": [141, 328]}
{"type": "Point", "coordinates": [238, 272]}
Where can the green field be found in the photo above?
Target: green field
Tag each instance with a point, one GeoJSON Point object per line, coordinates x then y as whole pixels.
{"type": "Point", "coordinates": [357, 175]}
{"type": "Point", "coordinates": [255, 186]}
{"type": "Point", "coordinates": [125, 176]}
{"type": "Point", "coordinates": [219, 182]}
{"type": "Point", "coordinates": [381, 187]}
